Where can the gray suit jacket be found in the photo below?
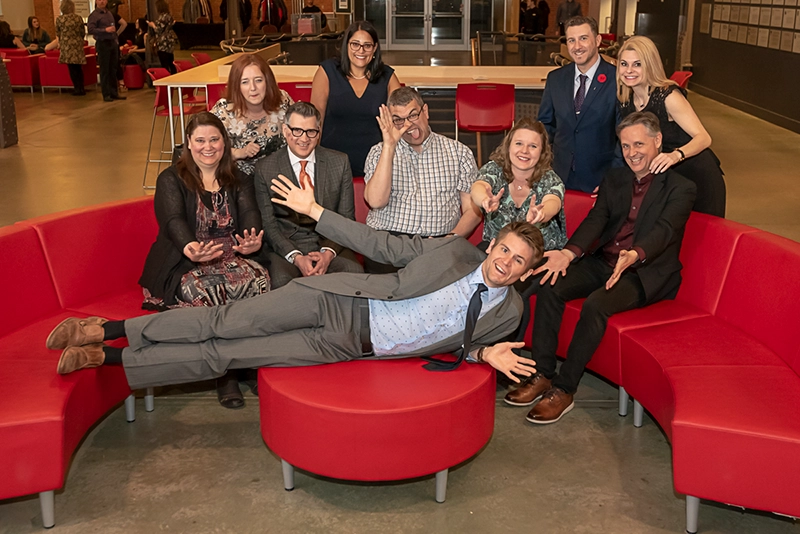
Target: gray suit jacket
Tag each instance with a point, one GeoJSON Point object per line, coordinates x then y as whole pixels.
{"type": "Point", "coordinates": [285, 229]}
{"type": "Point", "coordinates": [427, 266]}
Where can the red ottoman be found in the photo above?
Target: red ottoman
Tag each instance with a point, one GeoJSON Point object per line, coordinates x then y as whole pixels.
{"type": "Point", "coordinates": [133, 77]}
{"type": "Point", "coordinates": [376, 420]}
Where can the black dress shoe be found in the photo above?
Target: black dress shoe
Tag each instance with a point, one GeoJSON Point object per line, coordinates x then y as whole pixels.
{"type": "Point", "coordinates": [107, 99]}
{"type": "Point", "coordinates": [117, 97]}
{"type": "Point", "coordinates": [228, 392]}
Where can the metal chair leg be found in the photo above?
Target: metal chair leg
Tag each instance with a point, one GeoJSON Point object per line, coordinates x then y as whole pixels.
{"type": "Point", "coordinates": [692, 513]}
{"type": "Point", "coordinates": [149, 148]}
{"type": "Point", "coordinates": [638, 413]}
{"type": "Point", "coordinates": [130, 408]}
{"type": "Point", "coordinates": [288, 475]}
{"type": "Point", "coordinates": [149, 400]}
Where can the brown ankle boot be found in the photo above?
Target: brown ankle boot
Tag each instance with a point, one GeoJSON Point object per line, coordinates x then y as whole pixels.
{"type": "Point", "coordinates": [74, 358]}
{"type": "Point", "coordinates": [74, 332]}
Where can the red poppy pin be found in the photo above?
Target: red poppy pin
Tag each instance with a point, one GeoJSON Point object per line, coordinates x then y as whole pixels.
{"type": "Point", "coordinates": [601, 78]}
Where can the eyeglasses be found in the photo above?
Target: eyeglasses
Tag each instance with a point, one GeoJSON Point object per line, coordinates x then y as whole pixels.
{"type": "Point", "coordinates": [355, 45]}
{"type": "Point", "coordinates": [399, 122]}
{"type": "Point", "coordinates": [298, 132]}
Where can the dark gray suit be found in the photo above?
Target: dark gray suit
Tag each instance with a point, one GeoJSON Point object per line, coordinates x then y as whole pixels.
{"type": "Point", "coordinates": [312, 320]}
{"type": "Point", "coordinates": [287, 230]}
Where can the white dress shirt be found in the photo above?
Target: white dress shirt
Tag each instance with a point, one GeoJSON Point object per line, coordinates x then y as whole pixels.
{"type": "Point", "coordinates": [589, 74]}
{"type": "Point", "coordinates": [311, 170]}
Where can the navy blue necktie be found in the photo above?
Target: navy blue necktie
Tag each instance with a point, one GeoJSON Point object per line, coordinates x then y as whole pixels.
{"type": "Point", "coordinates": [580, 96]}
{"type": "Point", "coordinates": [473, 312]}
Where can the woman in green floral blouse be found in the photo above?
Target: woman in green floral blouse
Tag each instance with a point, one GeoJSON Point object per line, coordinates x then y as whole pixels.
{"type": "Point", "coordinates": [518, 184]}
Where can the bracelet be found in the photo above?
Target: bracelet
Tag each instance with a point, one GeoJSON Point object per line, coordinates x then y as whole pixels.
{"type": "Point", "coordinates": [683, 156]}
{"type": "Point", "coordinates": [479, 355]}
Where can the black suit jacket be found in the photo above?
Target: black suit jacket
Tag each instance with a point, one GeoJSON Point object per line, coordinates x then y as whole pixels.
{"type": "Point", "coordinates": [658, 229]}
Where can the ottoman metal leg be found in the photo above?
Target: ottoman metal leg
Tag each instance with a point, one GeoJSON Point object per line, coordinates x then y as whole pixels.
{"type": "Point", "coordinates": [623, 401]}
{"type": "Point", "coordinates": [288, 475]}
{"type": "Point", "coordinates": [149, 404]}
{"type": "Point", "coordinates": [441, 485]}
{"type": "Point", "coordinates": [692, 513]}
{"type": "Point", "coordinates": [130, 408]}
{"type": "Point", "coordinates": [638, 413]}
{"type": "Point", "coordinates": [47, 502]}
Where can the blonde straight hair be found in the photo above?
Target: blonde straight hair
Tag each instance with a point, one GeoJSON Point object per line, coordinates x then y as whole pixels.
{"type": "Point", "coordinates": [652, 68]}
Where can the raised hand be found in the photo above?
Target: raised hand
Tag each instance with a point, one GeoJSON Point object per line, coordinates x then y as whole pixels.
{"type": "Point", "coordinates": [492, 202]}
{"type": "Point", "coordinates": [203, 251]}
{"type": "Point", "coordinates": [557, 263]}
{"type": "Point", "coordinates": [296, 198]}
{"type": "Point", "coordinates": [391, 135]}
{"type": "Point", "coordinates": [504, 360]}
{"type": "Point", "coordinates": [250, 243]}
{"type": "Point", "coordinates": [535, 212]}
{"type": "Point", "coordinates": [625, 260]}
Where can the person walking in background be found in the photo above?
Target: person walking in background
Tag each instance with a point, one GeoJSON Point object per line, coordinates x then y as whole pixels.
{"type": "Point", "coordinates": [101, 26]}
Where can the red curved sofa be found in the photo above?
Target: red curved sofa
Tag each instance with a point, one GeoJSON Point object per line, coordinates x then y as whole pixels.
{"type": "Point", "coordinates": [717, 367]}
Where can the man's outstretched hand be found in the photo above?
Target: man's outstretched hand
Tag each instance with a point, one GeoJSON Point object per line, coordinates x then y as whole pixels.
{"type": "Point", "coordinates": [296, 198]}
{"type": "Point", "coordinates": [501, 358]}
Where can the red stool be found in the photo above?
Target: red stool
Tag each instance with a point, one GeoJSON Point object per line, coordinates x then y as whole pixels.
{"type": "Point", "coordinates": [133, 77]}
{"type": "Point", "coordinates": [376, 420]}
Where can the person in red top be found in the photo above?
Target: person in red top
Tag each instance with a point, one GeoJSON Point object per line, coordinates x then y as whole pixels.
{"type": "Point", "coordinates": [624, 255]}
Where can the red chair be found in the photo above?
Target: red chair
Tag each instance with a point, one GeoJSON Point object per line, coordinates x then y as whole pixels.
{"type": "Point", "coordinates": [681, 77]}
{"type": "Point", "coordinates": [214, 91]}
{"type": "Point", "coordinates": [201, 58]}
{"type": "Point", "coordinates": [161, 109]}
{"type": "Point", "coordinates": [55, 74]}
{"type": "Point", "coordinates": [23, 68]}
{"type": "Point", "coordinates": [189, 95]}
{"type": "Point", "coordinates": [133, 77]}
{"type": "Point", "coordinates": [484, 107]}
{"type": "Point", "coordinates": [299, 91]}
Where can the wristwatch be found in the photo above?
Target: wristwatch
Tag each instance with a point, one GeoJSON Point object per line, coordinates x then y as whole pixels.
{"type": "Point", "coordinates": [292, 256]}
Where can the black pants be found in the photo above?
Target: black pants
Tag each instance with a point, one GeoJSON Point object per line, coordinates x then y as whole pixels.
{"type": "Point", "coordinates": [584, 279]}
{"type": "Point", "coordinates": [76, 75]}
{"type": "Point", "coordinates": [167, 59]}
{"type": "Point", "coordinates": [108, 61]}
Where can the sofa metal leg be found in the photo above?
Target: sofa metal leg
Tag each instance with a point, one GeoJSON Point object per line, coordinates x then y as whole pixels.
{"type": "Point", "coordinates": [149, 400]}
{"type": "Point", "coordinates": [130, 408]}
{"type": "Point", "coordinates": [692, 512]}
{"type": "Point", "coordinates": [638, 413]}
{"type": "Point", "coordinates": [288, 475]}
{"type": "Point", "coordinates": [441, 485]}
{"type": "Point", "coordinates": [47, 501]}
{"type": "Point", "coordinates": [623, 401]}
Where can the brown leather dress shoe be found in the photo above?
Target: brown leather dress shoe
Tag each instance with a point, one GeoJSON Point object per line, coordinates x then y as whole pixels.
{"type": "Point", "coordinates": [554, 404]}
{"type": "Point", "coordinates": [74, 358]}
{"type": "Point", "coordinates": [529, 392]}
{"type": "Point", "coordinates": [74, 332]}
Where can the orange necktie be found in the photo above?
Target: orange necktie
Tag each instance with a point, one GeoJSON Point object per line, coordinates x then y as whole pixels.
{"type": "Point", "coordinates": [305, 179]}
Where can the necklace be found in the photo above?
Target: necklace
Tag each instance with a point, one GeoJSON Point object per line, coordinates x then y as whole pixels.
{"type": "Point", "coordinates": [357, 77]}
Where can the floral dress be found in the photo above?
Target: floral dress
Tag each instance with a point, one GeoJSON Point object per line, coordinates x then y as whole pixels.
{"type": "Point", "coordinates": [266, 132]}
{"type": "Point", "coordinates": [229, 277]}
{"type": "Point", "coordinates": [554, 231]}
{"type": "Point", "coordinates": [165, 37]}
{"type": "Point", "coordinates": [70, 31]}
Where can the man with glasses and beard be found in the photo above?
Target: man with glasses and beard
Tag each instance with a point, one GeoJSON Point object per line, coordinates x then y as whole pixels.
{"type": "Point", "coordinates": [417, 181]}
{"type": "Point", "coordinates": [295, 249]}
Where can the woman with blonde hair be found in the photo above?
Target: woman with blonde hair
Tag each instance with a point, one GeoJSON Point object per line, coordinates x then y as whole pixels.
{"type": "Point", "coordinates": [252, 111]}
{"type": "Point", "coordinates": [518, 184]}
{"type": "Point", "coordinates": [642, 85]}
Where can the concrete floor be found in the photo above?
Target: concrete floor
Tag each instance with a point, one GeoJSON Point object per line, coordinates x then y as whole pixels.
{"type": "Point", "coordinates": [192, 466]}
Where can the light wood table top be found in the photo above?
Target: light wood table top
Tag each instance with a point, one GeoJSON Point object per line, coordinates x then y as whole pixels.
{"type": "Point", "coordinates": [414, 76]}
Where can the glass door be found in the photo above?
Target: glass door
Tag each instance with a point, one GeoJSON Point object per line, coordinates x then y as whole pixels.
{"type": "Point", "coordinates": [427, 25]}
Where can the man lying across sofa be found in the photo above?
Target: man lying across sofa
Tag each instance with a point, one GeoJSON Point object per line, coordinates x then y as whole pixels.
{"type": "Point", "coordinates": [624, 255]}
{"type": "Point", "coordinates": [448, 297]}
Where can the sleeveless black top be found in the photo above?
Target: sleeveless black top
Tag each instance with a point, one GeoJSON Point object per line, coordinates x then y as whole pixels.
{"type": "Point", "coordinates": [673, 135]}
{"type": "Point", "coordinates": [350, 124]}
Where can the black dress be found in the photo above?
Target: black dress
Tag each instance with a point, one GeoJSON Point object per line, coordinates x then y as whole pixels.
{"type": "Point", "coordinates": [350, 124]}
{"type": "Point", "coordinates": [703, 169]}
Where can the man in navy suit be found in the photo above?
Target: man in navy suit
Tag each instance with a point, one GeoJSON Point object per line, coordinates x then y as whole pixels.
{"type": "Point", "coordinates": [579, 110]}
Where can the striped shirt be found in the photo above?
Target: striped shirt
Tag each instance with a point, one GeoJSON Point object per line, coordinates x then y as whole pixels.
{"type": "Point", "coordinates": [425, 197]}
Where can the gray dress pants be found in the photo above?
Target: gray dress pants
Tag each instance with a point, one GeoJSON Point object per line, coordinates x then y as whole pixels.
{"type": "Point", "coordinates": [290, 326]}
